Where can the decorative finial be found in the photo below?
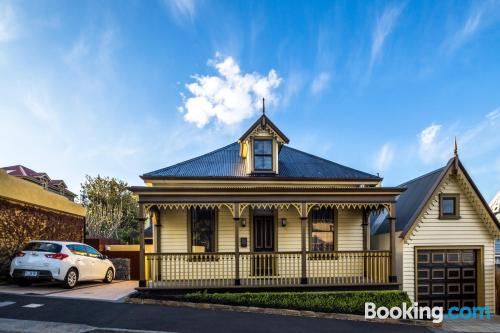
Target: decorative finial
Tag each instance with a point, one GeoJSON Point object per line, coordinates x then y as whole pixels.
{"type": "Point", "coordinates": [263, 106]}
{"type": "Point", "coordinates": [455, 151]}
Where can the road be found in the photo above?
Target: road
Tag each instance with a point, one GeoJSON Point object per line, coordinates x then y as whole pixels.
{"type": "Point", "coordinates": [104, 314]}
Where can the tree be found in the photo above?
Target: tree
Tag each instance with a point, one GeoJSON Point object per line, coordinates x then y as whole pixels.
{"type": "Point", "coordinates": [111, 209]}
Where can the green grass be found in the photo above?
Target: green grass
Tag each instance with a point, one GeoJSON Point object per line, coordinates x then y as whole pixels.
{"type": "Point", "coordinates": [352, 302]}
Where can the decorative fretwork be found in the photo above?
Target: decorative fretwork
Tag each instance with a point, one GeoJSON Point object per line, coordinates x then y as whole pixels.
{"type": "Point", "coordinates": [177, 206]}
{"type": "Point", "coordinates": [347, 205]}
{"type": "Point", "coordinates": [270, 205]}
{"type": "Point", "coordinates": [258, 129]}
{"type": "Point", "coordinates": [266, 205]}
{"type": "Point", "coordinates": [477, 203]}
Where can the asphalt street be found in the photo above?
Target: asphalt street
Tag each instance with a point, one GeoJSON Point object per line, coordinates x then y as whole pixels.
{"type": "Point", "coordinates": [161, 318]}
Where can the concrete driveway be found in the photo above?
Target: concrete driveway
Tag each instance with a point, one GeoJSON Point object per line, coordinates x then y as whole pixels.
{"type": "Point", "coordinates": [115, 291]}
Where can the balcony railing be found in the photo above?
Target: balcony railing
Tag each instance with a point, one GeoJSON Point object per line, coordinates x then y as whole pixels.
{"type": "Point", "coordinates": [260, 269]}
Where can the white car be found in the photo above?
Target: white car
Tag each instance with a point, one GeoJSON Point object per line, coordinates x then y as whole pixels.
{"type": "Point", "coordinates": [67, 262]}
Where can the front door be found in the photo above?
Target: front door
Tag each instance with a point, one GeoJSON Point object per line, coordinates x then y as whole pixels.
{"type": "Point", "coordinates": [263, 245]}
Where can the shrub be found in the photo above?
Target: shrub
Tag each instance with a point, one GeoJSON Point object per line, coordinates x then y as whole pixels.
{"type": "Point", "coordinates": [352, 302]}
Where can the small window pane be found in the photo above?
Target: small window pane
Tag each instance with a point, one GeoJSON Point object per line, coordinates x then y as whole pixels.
{"type": "Point", "coordinates": [448, 206]}
{"type": "Point", "coordinates": [322, 241]}
{"type": "Point", "coordinates": [263, 147]}
{"type": "Point", "coordinates": [263, 162]}
{"type": "Point", "coordinates": [322, 230]}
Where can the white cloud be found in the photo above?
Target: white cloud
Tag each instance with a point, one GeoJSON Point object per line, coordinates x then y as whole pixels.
{"type": "Point", "coordinates": [384, 157]}
{"type": "Point", "coordinates": [8, 23]}
{"type": "Point", "coordinates": [429, 147]}
{"type": "Point", "coordinates": [383, 27]}
{"type": "Point", "coordinates": [480, 15]}
{"type": "Point", "coordinates": [293, 85]}
{"type": "Point", "coordinates": [320, 82]}
{"type": "Point", "coordinates": [493, 115]}
{"type": "Point", "coordinates": [181, 10]}
{"type": "Point", "coordinates": [230, 96]}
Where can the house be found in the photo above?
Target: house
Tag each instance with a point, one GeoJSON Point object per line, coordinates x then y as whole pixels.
{"type": "Point", "coordinates": [260, 214]}
{"type": "Point", "coordinates": [40, 178]}
{"type": "Point", "coordinates": [445, 245]}
{"type": "Point", "coordinates": [29, 211]}
{"type": "Point", "coordinates": [495, 208]}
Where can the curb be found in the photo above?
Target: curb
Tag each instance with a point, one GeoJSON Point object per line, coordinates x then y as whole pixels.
{"type": "Point", "coordinates": [280, 312]}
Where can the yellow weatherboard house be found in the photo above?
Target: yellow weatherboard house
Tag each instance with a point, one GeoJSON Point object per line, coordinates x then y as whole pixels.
{"type": "Point", "coordinates": [258, 214]}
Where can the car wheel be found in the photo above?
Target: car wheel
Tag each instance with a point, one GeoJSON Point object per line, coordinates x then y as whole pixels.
{"type": "Point", "coordinates": [109, 276]}
{"type": "Point", "coordinates": [71, 278]}
{"type": "Point", "coordinates": [23, 283]}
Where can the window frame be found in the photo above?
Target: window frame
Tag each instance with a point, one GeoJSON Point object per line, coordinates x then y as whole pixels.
{"type": "Point", "coordinates": [263, 155]}
{"type": "Point", "coordinates": [456, 199]}
{"type": "Point", "coordinates": [334, 231]}
{"type": "Point", "coordinates": [190, 229]}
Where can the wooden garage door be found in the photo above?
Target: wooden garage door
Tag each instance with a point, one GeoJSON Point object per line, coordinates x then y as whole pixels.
{"type": "Point", "coordinates": [447, 278]}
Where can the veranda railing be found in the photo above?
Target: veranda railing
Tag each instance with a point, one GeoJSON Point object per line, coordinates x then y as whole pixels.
{"type": "Point", "coordinates": [262, 269]}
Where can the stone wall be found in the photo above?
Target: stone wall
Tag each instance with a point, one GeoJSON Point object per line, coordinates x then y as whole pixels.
{"type": "Point", "coordinates": [20, 223]}
{"type": "Point", "coordinates": [122, 267]}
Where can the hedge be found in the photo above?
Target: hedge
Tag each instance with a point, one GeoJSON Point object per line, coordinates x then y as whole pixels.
{"type": "Point", "coordinates": [352, 302]}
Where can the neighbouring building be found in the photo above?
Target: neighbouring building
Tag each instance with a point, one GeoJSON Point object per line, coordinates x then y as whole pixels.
{"type": "Point", "coordinates": [259, 214]}
{"type": "Point", "coordinates": [42, 179]}
{"type": "Point", "coordinates": [32, 206]}
{"type": "Point", "coordinates": [495, 208]}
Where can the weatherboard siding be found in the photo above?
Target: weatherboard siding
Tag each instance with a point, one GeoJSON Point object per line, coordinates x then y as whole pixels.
{"type": "Point", "coordinates": [469, 230]}
{"type": "Point", "coordinates": [174, 239]}
{"type": "Point", "coordinates": [174, 230]}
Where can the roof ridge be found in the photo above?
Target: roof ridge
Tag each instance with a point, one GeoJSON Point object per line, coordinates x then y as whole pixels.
{"type": "Point", "coordinates": [191, 159]}
{"type": "Point", "coordinates": [329, 161]}
{"type": "Point", "coordinates": [422, 176]}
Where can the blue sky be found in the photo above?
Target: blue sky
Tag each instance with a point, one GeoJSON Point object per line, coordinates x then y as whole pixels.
{"type": "Point", "coordinates": [120, 88]}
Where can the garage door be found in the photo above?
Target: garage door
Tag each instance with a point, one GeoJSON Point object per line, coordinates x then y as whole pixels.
{"type": "Point", "coordinates": [447, 278]}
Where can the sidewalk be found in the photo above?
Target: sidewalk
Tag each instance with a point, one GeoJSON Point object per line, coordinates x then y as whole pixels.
{"type": "Point", "coordinates": [115, 291]}
{"type": "Point", "coordinates": [479, 325]}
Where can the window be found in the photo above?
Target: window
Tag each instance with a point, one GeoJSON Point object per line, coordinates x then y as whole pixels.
{"type": "Point", "coordinates": [322, 230]}
{"type": "Point", "coordinates": [43, 247]}
{"type": "Point", "coordinates": [449, 206]}
{"type": "Point", "coordinates": [91, 252]}
{"type": "Point", "coordinates": [77, 249]}
{"type": "Point", "coordinates": [263, 155]}
{"type": "Point", "coordinates": [202, 224]}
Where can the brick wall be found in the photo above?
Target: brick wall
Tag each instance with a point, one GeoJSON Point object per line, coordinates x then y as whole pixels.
{"type": "Point", "coordinates": [20, 223]}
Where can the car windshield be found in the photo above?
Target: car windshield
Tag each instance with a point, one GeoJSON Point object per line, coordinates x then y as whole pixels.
{"type": "Point", "coordinates": [43, 247]}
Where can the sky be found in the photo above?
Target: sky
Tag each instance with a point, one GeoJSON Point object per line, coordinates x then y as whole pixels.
{"type": "Point", "coordinates": [121, 88]}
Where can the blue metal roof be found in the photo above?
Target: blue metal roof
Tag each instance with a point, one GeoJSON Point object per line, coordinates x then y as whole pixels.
{"type": "Point", "coordinates": [227, 162]}
{"type": "Point", "coordinates": [408, 202]}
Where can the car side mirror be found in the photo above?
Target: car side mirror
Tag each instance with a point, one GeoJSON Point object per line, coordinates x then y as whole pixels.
{"type": "Point", "coordinates": [103, 257]}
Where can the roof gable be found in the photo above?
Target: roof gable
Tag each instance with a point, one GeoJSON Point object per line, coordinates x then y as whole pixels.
{"type": "Point", "coordinates": [226, 162]}
{"type": "Point", "coordinates": [421, 190]}
{"type": "Point", "coordinates": [265, 123]}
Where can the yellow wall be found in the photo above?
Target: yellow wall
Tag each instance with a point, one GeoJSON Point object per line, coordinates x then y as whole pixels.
{"type": "Point", "coordinates": [469, 230]}
{"type": "Point", "coordinates": [21, 190]}
{"type": "Point", "coordinates": [132, 247]}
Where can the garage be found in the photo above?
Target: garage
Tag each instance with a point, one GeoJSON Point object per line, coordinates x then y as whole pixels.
{"type": "Point", "coordinates": [447, 277]}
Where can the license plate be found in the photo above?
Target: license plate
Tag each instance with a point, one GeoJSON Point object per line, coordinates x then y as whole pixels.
{"type": "Point", "coordinates": [30, 273]}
